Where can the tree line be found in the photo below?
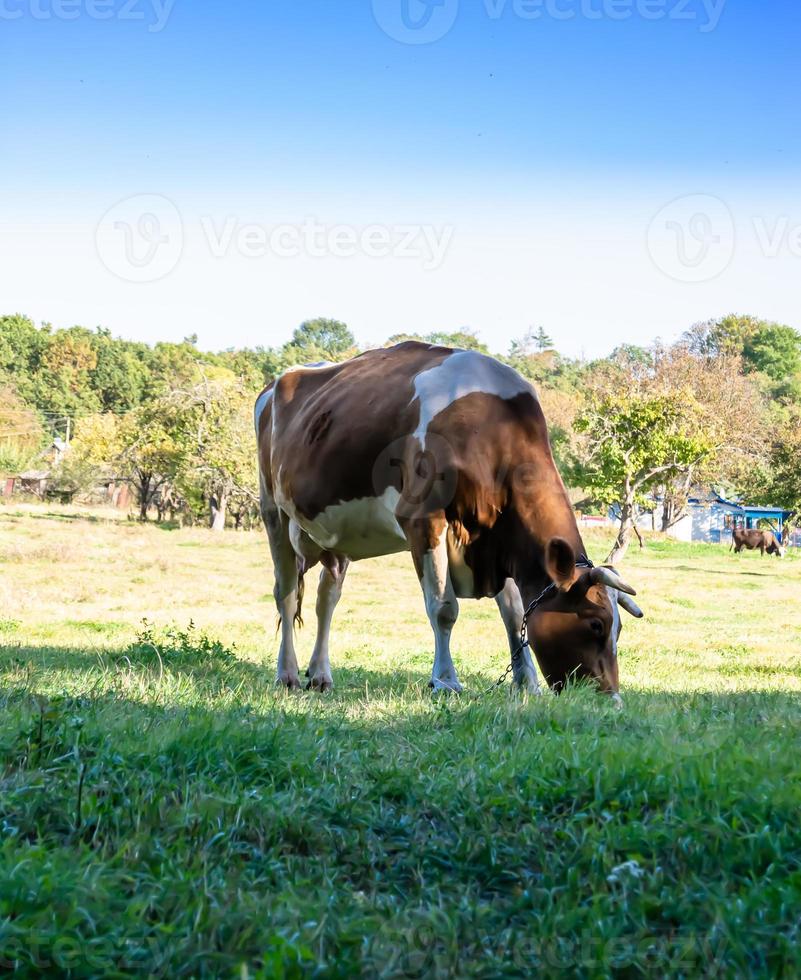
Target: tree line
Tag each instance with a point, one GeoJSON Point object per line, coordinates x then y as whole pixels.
{"type": "Point", "coordinates": [720, 408]}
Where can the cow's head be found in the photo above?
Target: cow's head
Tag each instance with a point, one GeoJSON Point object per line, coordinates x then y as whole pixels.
{"type": "Point", "coordinates": [775, 548]}
{"type": "Point", "coordinates": [574, 630]}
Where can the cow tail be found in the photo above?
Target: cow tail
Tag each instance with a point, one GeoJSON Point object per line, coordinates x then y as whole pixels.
{"type": "Point", "coordinates": [301, 589]}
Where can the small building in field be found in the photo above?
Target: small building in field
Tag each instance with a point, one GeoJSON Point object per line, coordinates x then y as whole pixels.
{"type": "Point", "coordinates": [33, 482]}
{"type": "Point", "coordinates": [711, 518]}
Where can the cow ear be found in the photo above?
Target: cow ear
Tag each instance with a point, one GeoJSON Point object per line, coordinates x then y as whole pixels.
{"type": "Point", "coordinates": [560, 563]}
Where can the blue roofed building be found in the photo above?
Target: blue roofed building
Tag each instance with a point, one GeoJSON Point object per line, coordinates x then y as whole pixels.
{"type": "Point", "coordinates": [711, 518]}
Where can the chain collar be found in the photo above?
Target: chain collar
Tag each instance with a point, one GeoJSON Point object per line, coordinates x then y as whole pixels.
{"type": "Point", "coordinates": [581, 562]}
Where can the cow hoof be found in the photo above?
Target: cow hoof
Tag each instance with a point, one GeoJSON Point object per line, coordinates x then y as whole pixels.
{"type": "Point", "coordinates": [527, 683]}
{"type": "Point", "coordinates": [320, 684]}
{"type": "Point", "coordinates": [290, 682]}
{"type": "Point", "coordinates": [450, 687]}
{"type": "Point", "coordinates": [532, 690]}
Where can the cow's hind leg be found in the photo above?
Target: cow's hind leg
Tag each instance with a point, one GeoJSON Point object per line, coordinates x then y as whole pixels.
{"type": "Point", "coordinates": [328, 594]}
{"type": "Point", "coordinates": [510, 605]}
{"type": "Point", "coordinates": [286, 591]}
{"type": "Point", "coordinates": [429, 550]}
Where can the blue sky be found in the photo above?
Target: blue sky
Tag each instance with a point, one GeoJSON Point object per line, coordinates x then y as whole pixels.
{"type": "Point", "coordinates": [536, 142]}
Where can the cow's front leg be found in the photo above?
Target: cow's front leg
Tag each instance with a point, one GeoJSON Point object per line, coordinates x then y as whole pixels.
{"type": "Point", "coordinates": [430, 553]}
{"type": "Point", "coordinates": [328, 595]}
{"type": "Point", "coordinates": [510, 605]}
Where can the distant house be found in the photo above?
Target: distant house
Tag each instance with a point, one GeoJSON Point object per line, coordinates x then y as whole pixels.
{"type": "Point", "coordinates": [35, 481]}
{"type": "Point", "coordinates": [55, 451]}
{"type": "Point", "coordinates": [596, 520]}
{"type": "Point", "coordinates": [712, 518]}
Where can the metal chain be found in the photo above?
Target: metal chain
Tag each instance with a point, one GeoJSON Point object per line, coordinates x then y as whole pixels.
{"type": "Point", "coordinates": [582, 562]}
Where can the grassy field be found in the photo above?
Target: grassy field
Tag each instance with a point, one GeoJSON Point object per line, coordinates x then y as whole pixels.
{"type": "Point", "coordinates": [165, 811]}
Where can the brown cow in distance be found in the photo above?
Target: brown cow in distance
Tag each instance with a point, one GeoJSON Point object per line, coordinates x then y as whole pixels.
{"type": "Point", "coordinates": [445, 454]}
{"type": "Point", "coordinates": [753, 539]}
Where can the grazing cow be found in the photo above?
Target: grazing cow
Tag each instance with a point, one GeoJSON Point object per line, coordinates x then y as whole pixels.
{"type": "Point", "coordinates": [443, 453]}
{"type": "Point", "coordinates": [753, 539]}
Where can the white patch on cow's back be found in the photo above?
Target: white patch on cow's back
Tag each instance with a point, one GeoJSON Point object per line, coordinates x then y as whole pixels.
{"type": "Point", "coordinates": [362, 528]}
{"type": "Point", "coordinates": [462, 373]}
{"type": "Point", "coordinates": [261, 404]}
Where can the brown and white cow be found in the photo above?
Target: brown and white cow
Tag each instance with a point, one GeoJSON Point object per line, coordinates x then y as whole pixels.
{"type": "Point", "coordinates": [443, 453]}
{"type": "Point", "coordinates": [751, 539]}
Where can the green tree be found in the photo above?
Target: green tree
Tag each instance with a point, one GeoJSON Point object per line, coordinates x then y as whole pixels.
{"type": "Point", "coordinates": [524, 347]}
{"type": "Point", "coordinates": [731, 411]}
{"type": "Point", "coordinates": [119, 377]}
{"type": "Point", "coordinates": [62, 383]}
{"type": "Point", "coordinates": [774, 350]}
{"type": "Point", "coordinates": [464, 339]}
{"type": "Point", "coordinates": [219, 463]}
{"type": "Point", "coordinates": [400, 338]}
{"type": "Point", "coordinates": [723, 336]}
{"type": "Point", "coordinates": [632, 355]}
{"type": "Point", "coordinates": [20, 341]}
{"type": "Point", "coordinates": [542, 341]}
{"type": "Point", "coordinates": [320, 339]}
{"type": "Point", "coordinates": [154, 445]}
{"type": "Point", "coordinates": [170, 365]}
{"type": "Point", "coordinates": [632, 441]}
{"type": "Point", "coordinates": [461, 339]}
{"type": "Point", "coordinates": [93, 454]}
{"type": "Point", "coordinates": [777, 483]}
{"type": "Point", "coordinates": [254, 368]}
{"type": "Point", "coordinates": [21, 345]}
{"type": "Point", "coordinates": [22, 436]}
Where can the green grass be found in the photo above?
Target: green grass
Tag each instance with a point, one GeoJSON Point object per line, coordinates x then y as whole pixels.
{"type": "Point", "coordinates": [165, 811]}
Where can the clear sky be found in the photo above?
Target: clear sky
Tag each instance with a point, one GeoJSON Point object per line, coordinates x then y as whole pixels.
{"type": "Point", "coordinates": [610, 169]}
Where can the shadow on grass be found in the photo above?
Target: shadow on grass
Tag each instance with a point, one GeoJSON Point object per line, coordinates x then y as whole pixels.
{"type": "Point", "coordinates": [40, 670]}
{"type": "Point", "coordinates": [712, 571]}
{"type": "Point", "coordinates": [236, 822]}
{"type": "Point", "coordinates": [50, 515]}
{"type": "Point", "coordinates": [92, 666]}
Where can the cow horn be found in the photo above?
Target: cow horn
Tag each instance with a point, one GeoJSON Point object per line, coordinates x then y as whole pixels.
{"type": "Point", "coordinates": [608, 576]}
{"type": "Point", "coordinates": [629, 605]}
